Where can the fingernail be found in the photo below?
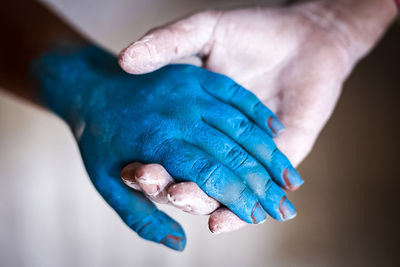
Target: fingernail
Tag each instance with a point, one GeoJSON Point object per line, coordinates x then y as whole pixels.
{"type": "Point", "coordinates": [174, 242]}
{"type": "Point", "coordinates": [148, 184]}
{"type": "Point", "coordinates": [152, 190]}
{"type": "Point", "coordinates": [275, 125]}
{"type": "Point", "coordinates": [145, 178]}
{"type": "Point", "coordinates": [258, 215]}
{"type": "Point", "coordinates": [138, 48]}
{"type": "Point", "coordinates": [131, 184]}
{"type": "Point", "coordinates": [287, 209]}
{"type": "Point", "coordinates": [292, 179]}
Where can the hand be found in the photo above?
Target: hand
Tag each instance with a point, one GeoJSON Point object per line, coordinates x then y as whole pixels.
{"type": "Point", "coordinates": [155, 182]}
{"type": "Point", "coordinates": [186, 118]}
{"type": "Point", "coordinates": [294, 58]}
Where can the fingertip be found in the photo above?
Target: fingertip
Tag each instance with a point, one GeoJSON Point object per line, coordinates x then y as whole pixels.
{"type": "Point", "coordinates": [129, 170]}
{"type": "Point", "coordinates": [135, 59]}
{"type": "Point", "coordinates": [128, 175]}
{"type": "Point", "coordinates": [275, 125]}
{"type": "Point", "coordinates": [138, 212]}
{"type": "Point", "coordinates": [125, 61]}
{"type": "Point", "coordinates": [179, 199]}
{"type": "Point", "coordinates": [223, 221]}
{"type": "Point", "coordinates": [188, 197]}
{"type": "Point", "coordinates": [154, 181]}
{"type": "Point", "coordinates": [258, 214]}
{"type": "Point", "coordinates": [174, 242]}
{"type": "Point", "coordinates": [152, 172]}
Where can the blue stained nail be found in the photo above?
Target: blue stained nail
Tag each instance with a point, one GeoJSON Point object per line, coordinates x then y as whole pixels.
{"type": "Point", "coordinates": [287, 209]}
{"type": "Point", "coordinates": [292, 179]}
{"type": "Point", "coordinates": [174, 242]}
{"type": "Point", "coordinates": [258, 215]}
{"type": "Point", "coordinates": [275, 125]}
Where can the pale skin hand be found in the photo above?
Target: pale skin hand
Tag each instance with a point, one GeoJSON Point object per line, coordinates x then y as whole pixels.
{"type": "Point", "coordinates": [295, 59]}
{"type": "Point", "coordinates": [155, 182]}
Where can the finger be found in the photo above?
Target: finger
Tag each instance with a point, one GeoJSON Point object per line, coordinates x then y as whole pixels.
{"type": "Point", "coordinates": [139, 213]}
{"type": "Point", "coordinates": [128, 175]}
{"type": "Point", "coordinates": [235, 125]}
{"type": "Point", "coordinates": [188, 197]}
{"type": "Point", "coordinates": [152, 179]}
{"type": "Point", "coordinates": [183, 38]}
{"type": "Point", "coordinates": [223, 220]}
{"type": "Point", "coordinates": [186, 162]}
{"type": "Point", "coordinates": [226, 90]}
{"type": "Point", "coordinates": [238, 160]}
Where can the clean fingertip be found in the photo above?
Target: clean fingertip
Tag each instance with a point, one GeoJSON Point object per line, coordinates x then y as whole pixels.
{"type": "Point", "coordinates": [223, 221]}
{"type": "Point", "coordinates": [188, 197]}
{"type": "Point", "coordinates": [134, 59]}
{"type": "Point", "coordinates": [128, 175]}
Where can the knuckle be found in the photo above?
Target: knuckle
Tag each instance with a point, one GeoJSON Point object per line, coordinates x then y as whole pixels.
{"type": "Point", "coordinates": [257, 107]}
{"type": "Point", "coordinates": [273, 154]}
{"type": "Point", "coordinates": [279, 159]}
{"type": "Point", "coordinates": [240, 196]}
{"type": "Point", "coordinates": [205, 171]}
{"type": "Point", "coordinates": [198, 131]}
{"type": "Point", "coordinates": [143, 225]}
{"type": "Point", "coordinates": [139, 222]}
{"type": "Point", "coordinates": [142, 231]}
{"type": "Point", "coordinates": [236, 158]}
{"type": "Point", "coordinates": [244, 128]}
{"type": "Point", "coordinates": [238, 94]}
{"type": "Point", "coordinates": [277, 155]}
{"type": "Point", "coordinates": [268, 185]}
{"type": "Point", "coordinates": [152, 147]}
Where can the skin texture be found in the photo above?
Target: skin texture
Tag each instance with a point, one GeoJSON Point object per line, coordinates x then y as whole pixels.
{"type": "Point", "coordinates": [183, 117]}
{"type": "Point", "coordinates": [364, 21]}
{"type": "Point", "coordinates": [295, 59]}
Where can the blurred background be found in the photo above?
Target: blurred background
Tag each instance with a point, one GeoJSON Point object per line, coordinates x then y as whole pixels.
{"type": "Point", "coordinates": [348, 209]}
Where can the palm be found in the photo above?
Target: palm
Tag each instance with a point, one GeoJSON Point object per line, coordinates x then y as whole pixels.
{"type": "Point", "coordinates": [274, 55]}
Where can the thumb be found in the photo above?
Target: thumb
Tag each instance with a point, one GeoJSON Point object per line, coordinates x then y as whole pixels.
{"type": "Point", "coordinates": [139, 213]}
{"type": "Point", "coordinates": [160, 46]}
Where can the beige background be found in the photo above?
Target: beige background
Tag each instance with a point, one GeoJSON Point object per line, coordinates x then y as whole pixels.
{"type": "Point", "coordinates": [50, 215]}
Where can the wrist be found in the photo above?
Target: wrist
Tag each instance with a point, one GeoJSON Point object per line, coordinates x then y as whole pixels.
{"type": "Point", "coordinates": [30, 29]}
{"type": "Point", "coordinates": [64, 78]}
{"type": "Point", "coordinates": [357, 24]}
{"type": "Point", "coordinates": [367, 20]}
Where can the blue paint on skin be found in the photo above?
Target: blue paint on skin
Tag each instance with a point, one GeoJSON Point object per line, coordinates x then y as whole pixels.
{"type": "Point", "coordinates": [175, 117]}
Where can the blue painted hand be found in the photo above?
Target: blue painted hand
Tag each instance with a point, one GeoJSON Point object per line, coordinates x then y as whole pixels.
{"type": "Point", "coordinates": [200, 126]}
